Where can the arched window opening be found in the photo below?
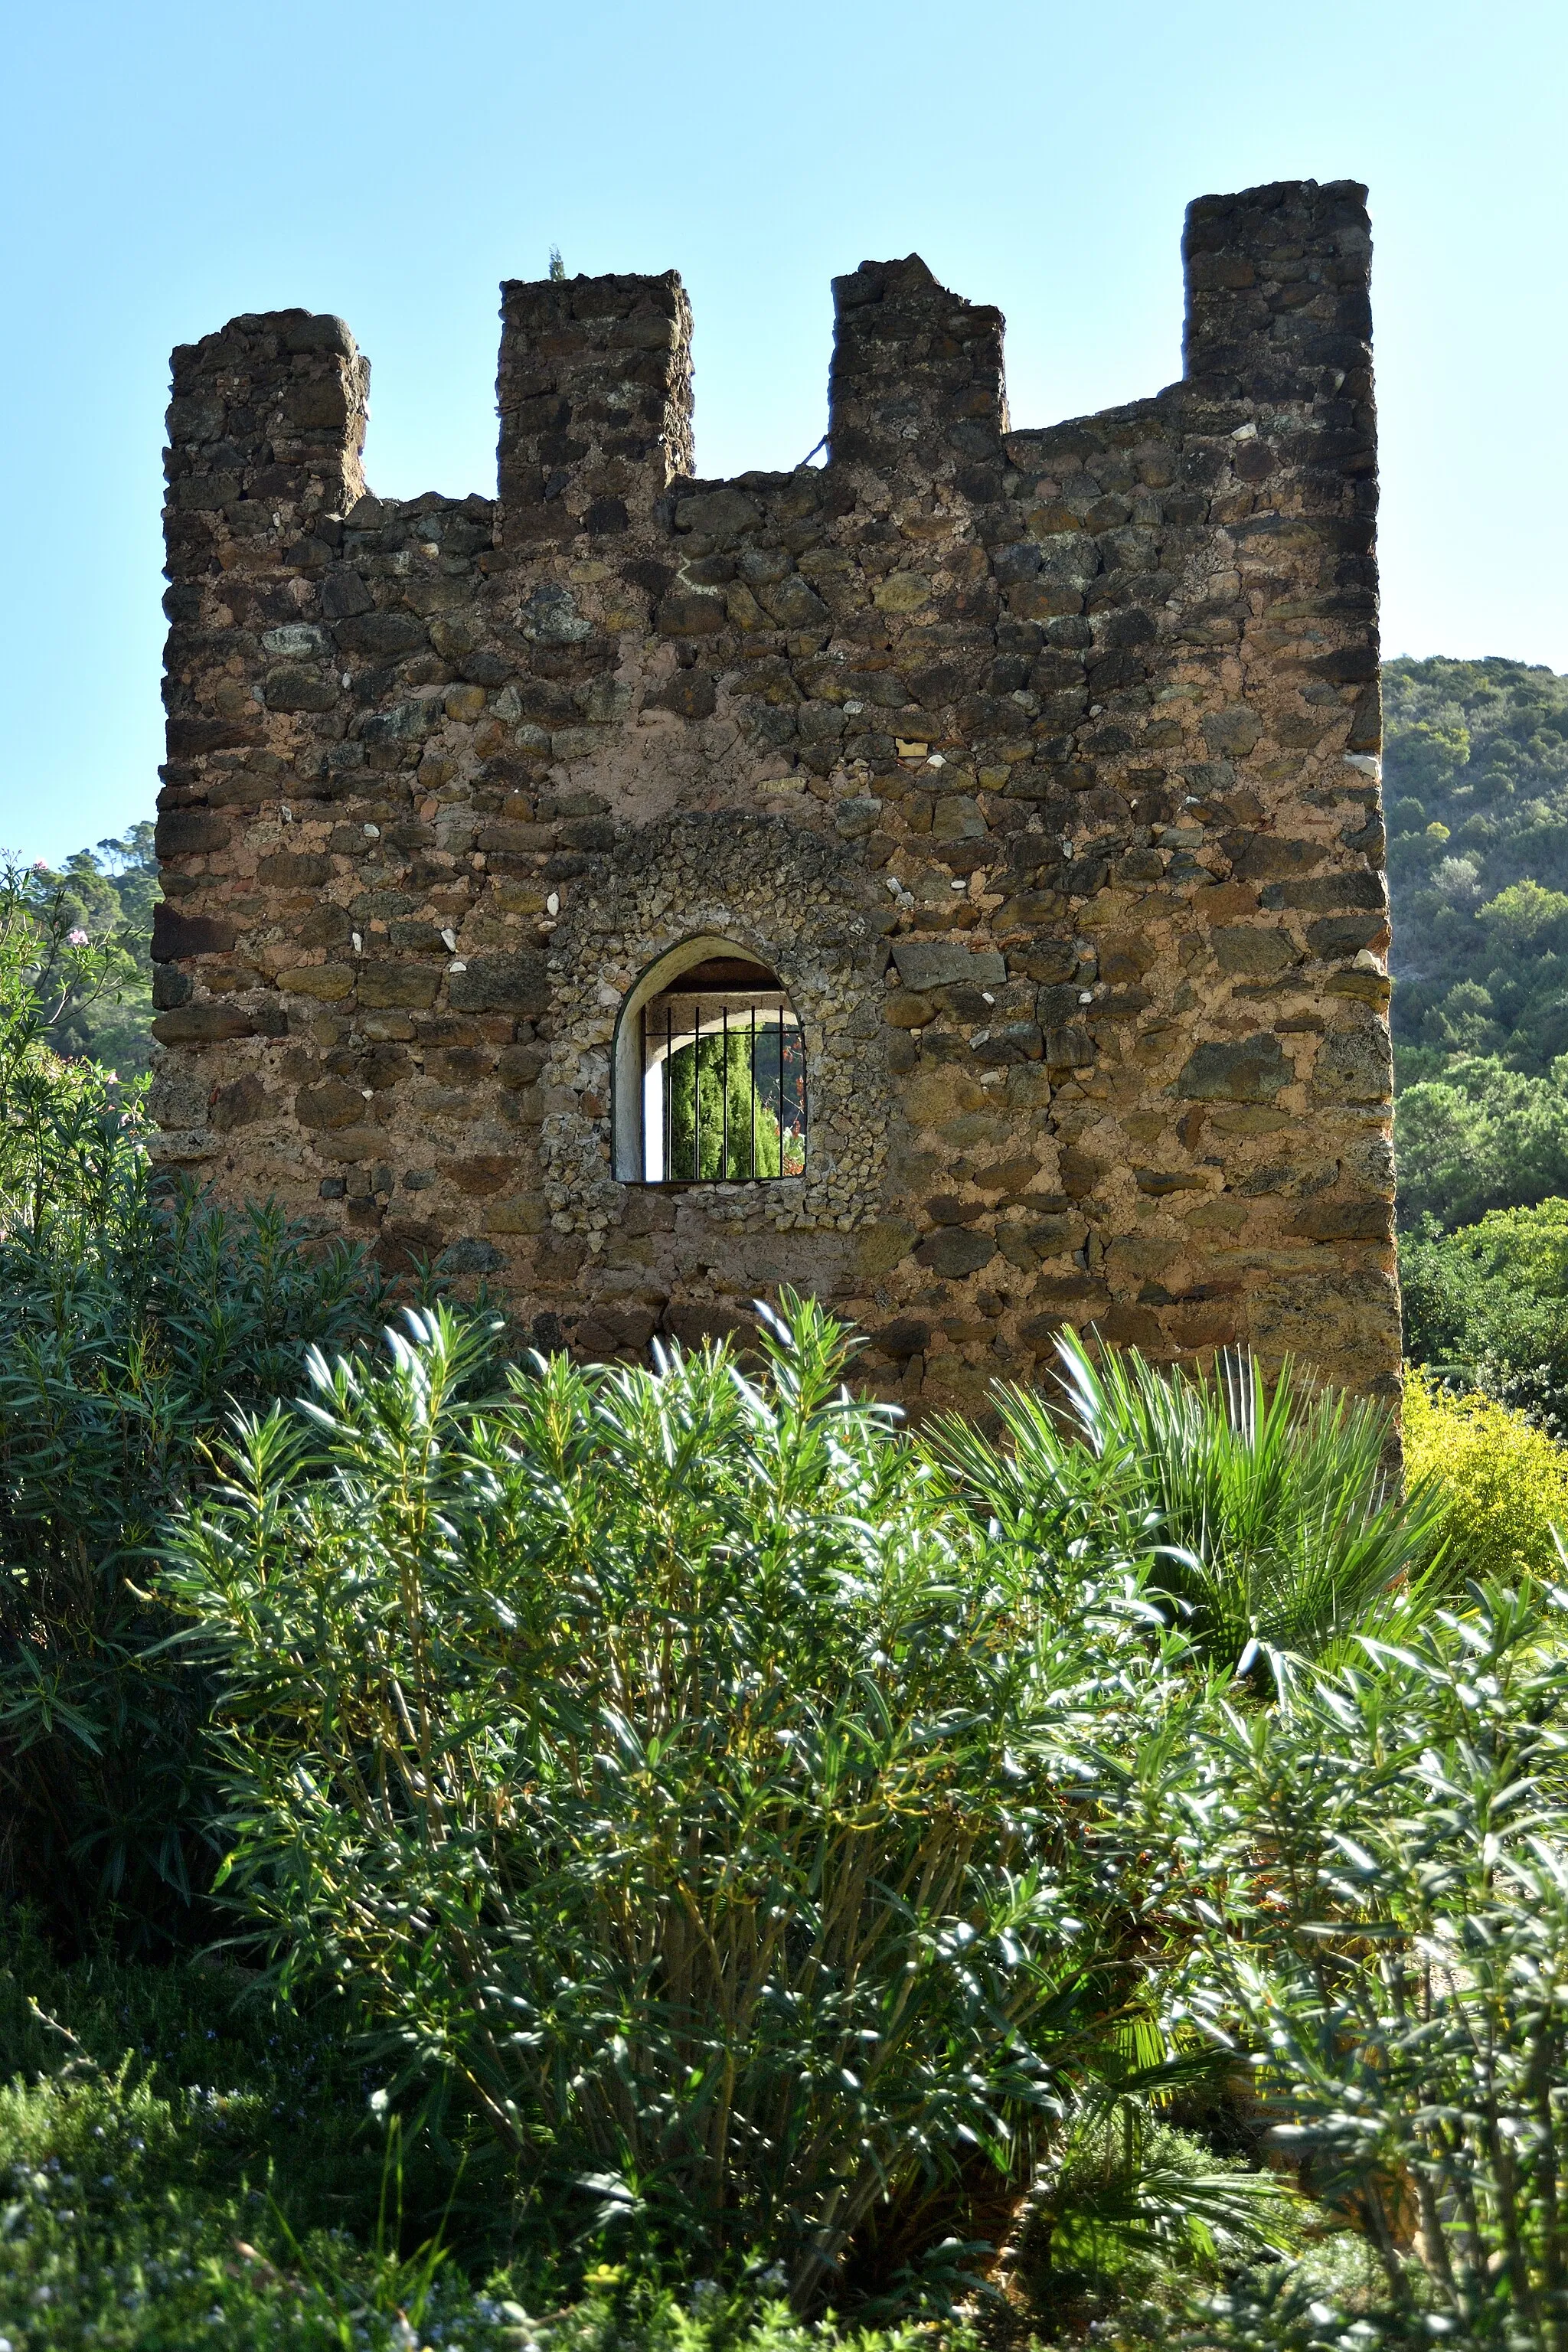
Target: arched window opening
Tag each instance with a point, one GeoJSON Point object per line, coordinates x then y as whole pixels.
{"type": "Point", "coordinates": [710, 1073]}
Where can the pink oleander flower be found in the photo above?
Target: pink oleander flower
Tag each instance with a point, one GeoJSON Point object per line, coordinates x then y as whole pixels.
{"type": "Point", "coordinates": [40, 865]}
{"type": "Point", "coordinates": [77, 939]}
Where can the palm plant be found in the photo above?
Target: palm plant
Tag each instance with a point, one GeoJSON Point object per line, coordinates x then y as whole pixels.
{"type": "Point", "coordinates": [1271, 1509]}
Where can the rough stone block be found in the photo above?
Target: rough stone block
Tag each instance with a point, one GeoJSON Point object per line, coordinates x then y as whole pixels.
{"type": "Point", "coordinates": [327, 982]}
{"type": "Point", "coordinates": [203, 1024]}
{"type": "Point", "coordinates": [937, 963]}
{"type": "Point", "coordinates": [176, 933]}
{"type": "Point", "coordinates": [1244, 1069]}
{"type": "Point", "coordinates": [411, 986]}
{"type": "Point", "coordinates": [501, 983]}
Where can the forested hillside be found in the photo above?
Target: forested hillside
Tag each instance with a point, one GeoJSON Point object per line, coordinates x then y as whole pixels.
{"type": "Point", "coordinates": [1476, 789]}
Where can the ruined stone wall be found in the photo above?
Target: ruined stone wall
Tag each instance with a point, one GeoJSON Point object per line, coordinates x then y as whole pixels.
{"type": "Point", "coordinates": [1040, 764]}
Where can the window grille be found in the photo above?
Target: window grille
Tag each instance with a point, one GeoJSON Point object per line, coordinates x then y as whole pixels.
{"type": "Point", "coordinates": [724, 1088]}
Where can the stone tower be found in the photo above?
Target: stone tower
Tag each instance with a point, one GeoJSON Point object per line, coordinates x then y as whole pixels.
{"type": "Point", "coordinates": [995, 812]}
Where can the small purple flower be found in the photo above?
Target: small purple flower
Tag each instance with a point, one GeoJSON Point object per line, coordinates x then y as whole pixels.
{"type": "Point", "coordinates": [77, 939]}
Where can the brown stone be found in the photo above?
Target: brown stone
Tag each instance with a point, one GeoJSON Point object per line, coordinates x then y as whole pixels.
{"type": "Point", "coordinates": [177, 934]}
{"type": "Point", "coordinates": [351, 1143]}
{"type": "Point", "coordinates": [329, 1104]}
{"type": "Point", "coordinates": [956, 1252]}
{"type": "Point", "coordinates": [614, 1331]}
{"type": "Point", "coordinates": [399, 985]}
{"type": "Point", "coordinates": [1012, 1176]}
{"type": "Point", "coordinates": [704, 1322]}
{"type": "Point", "coordinates": [522, 1216]}
{"type": "Point", "coordinates": [325, 981]}
{"type": "Point", "coordinates": [1244, 1069]}
{"type": "Point", "coordinates": [202, 1024]}
{"type": "Point", "coordinates": [902, 1339]}
{"type": "Point", "coordinates": [947, 1210]}
{"type": "Point", "coordinates": [1261, 954]}
{"type": "Point", "coordinates": [480, 1173]}
{"type": "Point", "coordinates": [1342, 1221]}
{"type": "Point", "coordinates": [239, 1104]}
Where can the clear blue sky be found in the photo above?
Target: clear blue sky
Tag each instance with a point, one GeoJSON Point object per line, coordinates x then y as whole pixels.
{"type": "Point", "coordinates": [167, 165]}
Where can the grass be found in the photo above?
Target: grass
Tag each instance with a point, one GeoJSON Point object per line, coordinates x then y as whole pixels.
{"type": "Point", "coordinates": [182, 2163]}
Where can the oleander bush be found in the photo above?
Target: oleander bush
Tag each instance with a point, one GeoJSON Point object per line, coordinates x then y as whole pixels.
{"type": "Point", "coordinates": [182, 2163]}
{"type": "Point", "coordinates": [732, 1834]}
{"type": "Point", "coordinates": [666, 1770]}
{"type": "Point", "coordinates": [1375, 1875]}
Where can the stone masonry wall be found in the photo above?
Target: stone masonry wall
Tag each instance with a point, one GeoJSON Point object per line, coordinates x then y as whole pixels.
{"type": "Point", "coordinates": [1042, 766]}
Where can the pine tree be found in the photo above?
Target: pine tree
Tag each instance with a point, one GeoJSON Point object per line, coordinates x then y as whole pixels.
{"type": "Point", "coordinates": [749, 1115]}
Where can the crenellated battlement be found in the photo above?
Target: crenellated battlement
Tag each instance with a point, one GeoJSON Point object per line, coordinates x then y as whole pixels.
{"type": "Point", "coordinates": [1031, 771]}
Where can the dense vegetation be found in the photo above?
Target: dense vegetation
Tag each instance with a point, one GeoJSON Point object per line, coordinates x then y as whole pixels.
{"type": "Point", "coordinates": [1476, 794]}
{"type": "Point", "coordinates": [687, 1855]}
{"type": "Point", "coordinates": [508, 1854]}
{"type": "Point", "coordinates": [103, 898]}
{"type": "Point", "coordinates": [1476, 791]}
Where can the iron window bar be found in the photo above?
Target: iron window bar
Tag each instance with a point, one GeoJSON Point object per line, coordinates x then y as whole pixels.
{"type": "Point", "coordinates": [722, 1036]}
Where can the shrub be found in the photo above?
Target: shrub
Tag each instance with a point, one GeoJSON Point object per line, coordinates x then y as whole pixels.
{"type": "Point", "coordinates": [1376, 1879]}
{"type": "Point", "coordinates": [1492, 1302]}
{"type": "Point", "coordinates": [118, 1363]}
{"type": "Point", "coordinates": [1505, 1484]}
{"type": "Point", "coordinates": [129, 1324]}
{"type": "Point", "coordinates": [183, 2162]}
{"type": "Point", "coordinates": [664, 1766]}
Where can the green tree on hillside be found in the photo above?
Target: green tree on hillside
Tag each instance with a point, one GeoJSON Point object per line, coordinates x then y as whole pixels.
{"type": "Point", "coordinates": [1476, 789]}
{"type": "Point", "coordinates": [1489, 1305]}
{"type": "Point", "coordinates": [107, 896]}
{"type": "Point", "coordinates": [1480, 1137]}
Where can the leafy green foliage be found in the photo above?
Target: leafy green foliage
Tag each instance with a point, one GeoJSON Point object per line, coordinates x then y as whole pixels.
{"type": "Point", "coordinates": [1504, 1483]}
{"type": "Point", "coordinates": [1376, 1879]}
{"type": "Point", "coordinates": [1475, 790]}
{"type": "Point", "coordinates": [1488, 1306]}
{"type": "Point", "coordinates": [660, 1762]}
{"type": "Point", "coordinates": [105, 899]}
{"type": "Point", "coordinates": [1270, 1506]}
{"type": "Point", "coordinates": [127, 1323]}
{"type": "Point", "coordinates": [117, 1364]}
{"type": "Point", "coordinates": [184, 2161]}
{"type": "Point", "coordinates": [1130, 2206]}
{"type": "Point", "coordinates": [58, 1126]}
{"type": "Point", "coordinates": [1481, 1136]}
